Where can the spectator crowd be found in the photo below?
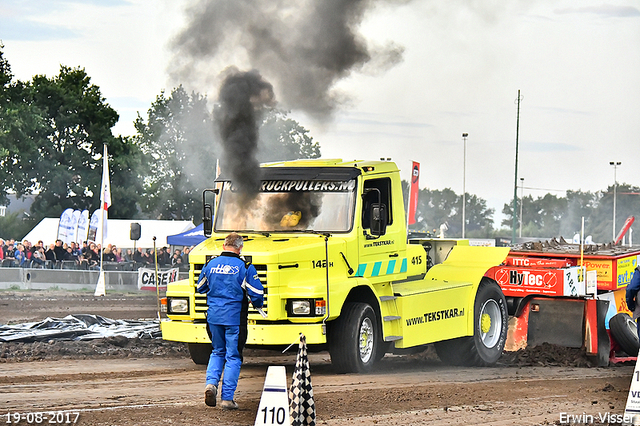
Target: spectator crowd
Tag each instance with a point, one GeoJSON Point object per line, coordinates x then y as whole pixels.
{"type": "Point", "coordinates": [61, 255]}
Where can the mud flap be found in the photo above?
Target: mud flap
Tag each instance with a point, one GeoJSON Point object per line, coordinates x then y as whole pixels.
{"type": "Point", "coordinates": [597, 341]}
{"type": "Point", "coordinates": [572, 323]}
{"type": "Point", "coordinates": [556, 321]}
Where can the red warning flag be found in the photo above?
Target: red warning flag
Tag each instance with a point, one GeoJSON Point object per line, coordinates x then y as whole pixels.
{"type": "Point", "coordinates": [413, 195]}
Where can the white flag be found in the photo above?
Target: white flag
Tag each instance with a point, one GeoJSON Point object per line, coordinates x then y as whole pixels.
{"type": "Point", "coordinates": [105, 195]}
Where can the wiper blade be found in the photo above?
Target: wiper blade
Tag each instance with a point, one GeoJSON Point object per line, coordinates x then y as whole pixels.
{"type": "Point", "coordinates": [250, 231]}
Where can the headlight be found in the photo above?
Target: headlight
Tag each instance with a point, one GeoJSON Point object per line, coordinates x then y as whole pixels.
{"type": "Point", "coordinates": [300, 307]}
{"type": "Point", "coordinates": [177, 305]}
{"type": "Point", "coordinates": [306, 307]}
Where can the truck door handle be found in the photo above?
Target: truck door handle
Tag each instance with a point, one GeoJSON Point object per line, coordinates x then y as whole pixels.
{"type": "Point", "coordinates": [393, 255]}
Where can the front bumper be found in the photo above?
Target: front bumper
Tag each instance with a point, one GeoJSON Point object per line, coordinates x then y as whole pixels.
{"type": "Point", "coordinates": [184, 331]}
{"type": "Point", "coordinates": [258, 334]}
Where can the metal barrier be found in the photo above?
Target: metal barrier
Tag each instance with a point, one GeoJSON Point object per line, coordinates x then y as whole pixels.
{"type": "Point", "coordinates": [69, 279]}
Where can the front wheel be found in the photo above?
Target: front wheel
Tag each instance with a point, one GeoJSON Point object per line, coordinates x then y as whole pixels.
{"type": "Point", "coordinates": [355, 339]}
{"type": "Point", "coordinates": [489, 332]}
{"type": "Point", "coordinates": [200, 352]}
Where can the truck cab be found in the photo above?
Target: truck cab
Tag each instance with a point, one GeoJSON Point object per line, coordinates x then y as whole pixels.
{"type": "Point", "coordinates": [329, 241]}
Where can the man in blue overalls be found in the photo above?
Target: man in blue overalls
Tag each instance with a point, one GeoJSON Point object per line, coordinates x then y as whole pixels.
{"type": "Point", "coordinates": [228, 280]}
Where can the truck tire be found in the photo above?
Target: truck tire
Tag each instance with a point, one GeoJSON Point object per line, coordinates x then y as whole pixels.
{"type": "Point", "coordinates": [490, 331]}
{"type": "Point", "coordinates": [625, 331]}
{"type": "Point", "coordinates": [200, 352]}
{"type": "Point", "coordinates": [355, 339]}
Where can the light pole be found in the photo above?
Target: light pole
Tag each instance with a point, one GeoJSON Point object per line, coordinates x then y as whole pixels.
{"type": "Point", "coordinates": [515, 176]}
{"type": "Point", "coordinates": [615, 165]}
{"type": "Point", "coordinates": [464, 180]}
{"type": "Point", "coordinates": [521, 202]}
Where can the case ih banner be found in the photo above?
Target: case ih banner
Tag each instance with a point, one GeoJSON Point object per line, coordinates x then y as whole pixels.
{"type": "Point", "coordinates": [518, 281]}
{"type": "Point", "coordinates": [147, 278]}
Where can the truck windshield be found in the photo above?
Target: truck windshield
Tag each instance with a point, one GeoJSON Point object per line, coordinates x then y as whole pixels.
{"type": "Point", "coordinates": [289, 206]}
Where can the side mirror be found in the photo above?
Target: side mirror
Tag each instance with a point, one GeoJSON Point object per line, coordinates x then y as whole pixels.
{"type": "Point", "coordinates": [207, 220]}
{"type": "Point", "coordinates": [379, 218]}
{"type": "Point", "coordinates": [207, 211]}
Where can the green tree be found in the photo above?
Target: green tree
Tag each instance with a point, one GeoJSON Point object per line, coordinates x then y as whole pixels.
{"type": "Point", "coordinates": [579, 205]}
{"type": "Point", "coordinates": [627, 204]}
{"type": "Point", "coordinates": [437, 207]}
{"type": "Point", "coordinates": [181, 148]}
{"type": "Point", "coordinates": [5, 120]}
{"type": "Point", "coordinates": [551, 216]}
{"type": "Point", "coordinates": [67, 172]}
{"type": "Point", "coordinates": [126, 164]}
{"type": "Point", "coordinates": [282, 138]}
{"type": "Point", "coordinates": [545, 213]}
{"type": "Point", "coordinates": [21, 130]}
{"type": "Point", "coordinates": [15, 225]}
{"type": "Point", "coordinates": [180, 141]}
{"type": "Point", "coordinates": [478, 216]}
{"type": "Point", "coordinates": [52, 132]}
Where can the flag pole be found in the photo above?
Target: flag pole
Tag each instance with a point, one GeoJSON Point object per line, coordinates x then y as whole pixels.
{"type": "Point", "coordinates": [105, 202]}
{"type": "Point", "coordinates": [155, 261]}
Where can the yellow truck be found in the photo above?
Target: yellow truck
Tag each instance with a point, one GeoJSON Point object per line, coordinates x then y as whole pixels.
{"type": "Point", "coordinates": [329, 241]}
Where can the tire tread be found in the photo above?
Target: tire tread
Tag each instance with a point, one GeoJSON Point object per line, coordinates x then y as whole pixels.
{"type": "Point", "coordinates": [346, 329]}
{"type": "Point", "coordinates": [620, 332]}
{"type": "Point", "coordinates": [463, 351]}
{"type": "Point", "coordinates": [200, 352]}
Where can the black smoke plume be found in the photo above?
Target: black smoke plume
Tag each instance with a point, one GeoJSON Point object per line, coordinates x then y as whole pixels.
{"type": "Point", "coordinates": [242, 98]}
{"type": "Point", "coordinates": [303, 46]}
{"type": "Point", "coordinates": [307, 203]}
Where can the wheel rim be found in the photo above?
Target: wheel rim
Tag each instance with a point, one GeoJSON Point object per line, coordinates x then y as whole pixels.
{"type": "Point", "coordinates": [633, 328]}
{"type": "Point", "coordinates": [490, 323]}
{"type": "Point", "coordinates": [366, 340]}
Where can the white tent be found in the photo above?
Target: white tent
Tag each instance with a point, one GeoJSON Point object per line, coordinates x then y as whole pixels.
{"type": "Point", "coordinates": [118, 231]}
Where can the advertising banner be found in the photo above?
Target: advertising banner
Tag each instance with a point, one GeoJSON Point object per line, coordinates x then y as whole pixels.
{"type": "Point", "coordinates": [65, 225]}
{"type": "Point", "coordinates": [604, 269]}
{"type": "Point", "coordinates": [73, 234]}
{"type": "Point", "coordinates": [147, 278]}
{"type": "Point", "coordinates": [624, 270]}
{"type": "Point", "coordinates": [83, 227]}
{"type": "Point", "coordinates": [520, 282]}
{"type": "Point", "coordinates": [93, 226]}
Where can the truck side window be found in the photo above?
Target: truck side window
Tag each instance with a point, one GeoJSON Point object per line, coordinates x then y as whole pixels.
{"type": "Point", "coordinates": [384, 186]}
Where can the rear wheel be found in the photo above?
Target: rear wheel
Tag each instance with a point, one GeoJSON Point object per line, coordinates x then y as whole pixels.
{"type": "Point", "coordinates": [625, 331]}
{"type": "Point", "coordinates": [489, 332]}
{"type": "Point", "coordinates": [200, 352]}
{"type": "Point", "coordinates": [355, 339]}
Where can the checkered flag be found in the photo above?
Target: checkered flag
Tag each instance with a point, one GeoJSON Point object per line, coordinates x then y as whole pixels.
{"type": "Point", "coordinates": [302, 409]}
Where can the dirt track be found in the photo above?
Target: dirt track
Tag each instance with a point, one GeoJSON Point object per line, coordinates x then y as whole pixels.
{"type": "Point", "coordinates": [405, 390]}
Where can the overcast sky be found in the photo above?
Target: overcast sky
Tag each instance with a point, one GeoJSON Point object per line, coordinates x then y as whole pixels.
{"type": "Point", "coordinates": [577, 65]}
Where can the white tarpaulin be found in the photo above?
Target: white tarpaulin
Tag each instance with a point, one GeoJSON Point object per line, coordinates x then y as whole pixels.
{"type": "Point", "coordinates": [119, 231]}
{"type": "Point", "coordinates": [78, 327]}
